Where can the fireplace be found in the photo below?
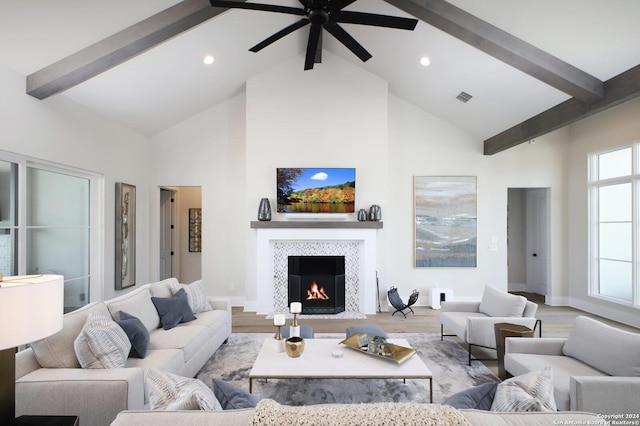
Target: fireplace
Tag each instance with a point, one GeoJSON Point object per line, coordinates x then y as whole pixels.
{"type": "Point", "coordinates": [318, 282]}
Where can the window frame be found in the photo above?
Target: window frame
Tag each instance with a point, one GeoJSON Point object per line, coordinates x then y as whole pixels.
{"type": "Point", "coordinates": [594, 184]}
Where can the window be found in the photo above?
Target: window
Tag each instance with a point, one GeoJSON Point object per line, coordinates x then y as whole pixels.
{"type": "Point", "coordinates": [46, 218]}
{"type": "Point", "coordinates": [614, 214]}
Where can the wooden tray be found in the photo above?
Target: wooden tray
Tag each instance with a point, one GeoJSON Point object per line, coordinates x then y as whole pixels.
{"type": "Point", "coordinates": [399, 354]}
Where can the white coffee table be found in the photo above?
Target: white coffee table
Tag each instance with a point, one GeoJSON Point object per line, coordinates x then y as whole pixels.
{"type": "Point", "coordinates": [316, 362]}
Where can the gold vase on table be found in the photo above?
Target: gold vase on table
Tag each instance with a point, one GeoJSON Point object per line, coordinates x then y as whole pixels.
{"type": "Point", "coordinates": [294, 346]}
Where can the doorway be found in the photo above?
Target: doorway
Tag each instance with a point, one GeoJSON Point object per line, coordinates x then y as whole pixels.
{"type": "Point", "coordinates": [177, 257]}
{"type": "Point", "coordinates": [528, 240]}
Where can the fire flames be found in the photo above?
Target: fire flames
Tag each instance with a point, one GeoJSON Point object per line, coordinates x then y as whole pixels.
{"type": "Point", "coordinates": [316, 292]}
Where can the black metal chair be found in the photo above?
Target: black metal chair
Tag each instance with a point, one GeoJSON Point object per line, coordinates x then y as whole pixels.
{"type": "Point", "coordinates": [396, 301]}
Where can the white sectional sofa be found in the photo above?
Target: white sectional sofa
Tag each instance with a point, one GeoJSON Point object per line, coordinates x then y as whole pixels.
{"type": "Point", "coordinates": [596, 369]}
{"type": "Point", "coordinates": [50, 380]}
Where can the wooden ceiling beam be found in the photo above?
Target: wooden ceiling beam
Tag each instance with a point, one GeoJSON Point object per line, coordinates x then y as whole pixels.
{"type": "Point", "coordinates": [119, 47]}
{"type": "Point", "coordinates": [505, 47]}
{"type": "Point", "coordinates": [619, 89]}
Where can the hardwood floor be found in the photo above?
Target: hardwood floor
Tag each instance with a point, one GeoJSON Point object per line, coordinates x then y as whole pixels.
{"type": "Point", "coordinates": [556, 322]}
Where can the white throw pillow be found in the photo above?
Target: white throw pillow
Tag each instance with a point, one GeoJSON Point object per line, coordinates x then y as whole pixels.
{"type": "Point", "coordinates": [196, 296]}
{"type": "Point", "coordinates": [167, 391]}
{"type": "Point", "coordinates": [102, 343]}
{"type": "Point", "coordinates": [529, 392]}
{"type": "Point", "coordinates": [496, 303]}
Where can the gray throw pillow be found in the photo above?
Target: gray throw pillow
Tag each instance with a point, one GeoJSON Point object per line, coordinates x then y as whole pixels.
{"type": "Point", "coordinates": [478, 397]}
{"type": "Point", "coordinates": [173, 310]}
{"type": "Point", "coordinates": [232, 397]}
{"type": "Point", "coordinates": [137, 334]}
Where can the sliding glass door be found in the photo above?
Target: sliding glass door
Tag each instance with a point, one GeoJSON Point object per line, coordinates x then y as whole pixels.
{"type": "Point", "coordinates": [46, 225]}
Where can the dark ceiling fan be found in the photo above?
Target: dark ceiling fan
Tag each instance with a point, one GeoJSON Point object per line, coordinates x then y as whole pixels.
{"type": "Point", "coordinates": [323, 14]}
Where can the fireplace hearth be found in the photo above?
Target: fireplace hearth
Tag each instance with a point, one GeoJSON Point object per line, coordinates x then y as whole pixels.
{"type": "Point", "coordinates": [318, 282]}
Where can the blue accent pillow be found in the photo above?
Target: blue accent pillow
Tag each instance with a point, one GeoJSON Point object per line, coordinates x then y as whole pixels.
{"type": "Point", "coordinates": [173, 310]}
{"type": "Point", "coordinates": [232, 397]}
{"type": "Point", "coordinates": [479, 397]}
{"type": "Point", "coordinates": [136, 332]}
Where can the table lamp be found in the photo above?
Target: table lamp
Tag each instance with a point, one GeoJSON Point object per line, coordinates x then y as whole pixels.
{"type": "Point", "coordinates": [31, 308]}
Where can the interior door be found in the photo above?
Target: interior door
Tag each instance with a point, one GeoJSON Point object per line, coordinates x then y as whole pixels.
{"type": "Point", "coordinates": [537, 240]}
{"type": "Point", "coordinates": [167, 230]}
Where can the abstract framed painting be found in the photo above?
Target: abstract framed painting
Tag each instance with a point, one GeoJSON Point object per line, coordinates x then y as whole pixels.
{"type": "Point", "coordinates": [445, 221]}
{"type": "Point", "coordinates": [125, 238]}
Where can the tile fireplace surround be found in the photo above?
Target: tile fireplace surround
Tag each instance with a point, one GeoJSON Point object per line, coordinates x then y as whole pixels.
{"type": "Point", "coordinates": [275, 244]}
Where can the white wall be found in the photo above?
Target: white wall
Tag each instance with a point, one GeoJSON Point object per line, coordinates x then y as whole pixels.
{"type": "Point", "coordinates": [615, 127]}
{"type": "Point", "coordinates": [208, 150]}
{"type": "Point", "coordinates": [339, 115]}
{"type": "Point", "coordinates": [420, 144]}
{"type": "Point", "coordinates": [333, 116]}
{"type": "Point", "coordinates": [60, 131]}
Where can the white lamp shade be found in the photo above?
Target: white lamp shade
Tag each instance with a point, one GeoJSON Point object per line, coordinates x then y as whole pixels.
{"type": "Point", "coordinates": [31, 308]}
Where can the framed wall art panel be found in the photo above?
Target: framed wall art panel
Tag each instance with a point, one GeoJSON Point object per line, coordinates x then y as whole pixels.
{"type": "Point", "coordinates": [445, 221]}
{"type": "Point", "coordinates": [125, 241]}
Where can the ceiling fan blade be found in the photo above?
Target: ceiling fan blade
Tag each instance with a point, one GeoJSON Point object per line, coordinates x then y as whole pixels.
{"type": "Point", "coordinates": [277, 36]}
{"type": "Point", "coordinates": [364, 18]}
{"type": "Point", "coordinates": [343, 37]}
{"type": "Point", "coordinates": [312, 46]}
{"type": "Point", "coordinates": [258, 6]}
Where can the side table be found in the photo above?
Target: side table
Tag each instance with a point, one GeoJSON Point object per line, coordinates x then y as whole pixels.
{"type": "Point", "coordinates": [46, 421]}
{"type": "Point", "coordinates": [504, 330]}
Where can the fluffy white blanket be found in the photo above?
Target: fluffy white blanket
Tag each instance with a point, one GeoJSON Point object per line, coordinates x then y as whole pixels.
{"type": "Point", "coordinates": [270, 413]}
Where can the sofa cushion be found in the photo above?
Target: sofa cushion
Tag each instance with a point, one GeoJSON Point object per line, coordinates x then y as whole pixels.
{"type": "Point", "coordinates": [102, 343]}
{"type": "Point", "coordinates": [171, 392]}
{"type": "Point", "coordinates": [496, 303]}
{"type": "Point", "coordinates": [609, 349]}
{"type": "Point", "coordinates": [196, 295]}
{"type": "Point", "coordinates": [173, 310]}
{"type": "Point", "coordinates": [529, 392]}
{"type": "Point", "coordinates": [188, 338]}
{"type": "Point", "coordinates": [136, 332]}
{"type": "Point", "coordinates": [478, 397]}
{"type": "Point", "coordinates": [231, 397]}
{"type": "Point", "coordinates": [162, 288]}
{"type": "Point", "coordinates": [137, 303]}
{"type": "Point", "coordinates": [56, 351]}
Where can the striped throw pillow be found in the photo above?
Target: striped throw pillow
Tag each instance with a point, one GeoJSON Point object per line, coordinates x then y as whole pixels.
{"type": "Point", "coordinates": [102, 343]}
{"type": "Point", "coordinates": [529, 392]}
{"type": "Point", "coordinates": [167, 391]}
{"type": "Point", "coordinates": [196, 296]}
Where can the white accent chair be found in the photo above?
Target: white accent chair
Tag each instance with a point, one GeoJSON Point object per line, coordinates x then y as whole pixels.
{"type": "Point", "coordinates": [473, 322]}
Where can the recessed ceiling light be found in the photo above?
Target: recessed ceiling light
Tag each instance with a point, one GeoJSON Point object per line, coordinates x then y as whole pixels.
{"type": "Point", "coordinates": [208, 59]}
{"type": "Point", "coordinates": [425, 61]}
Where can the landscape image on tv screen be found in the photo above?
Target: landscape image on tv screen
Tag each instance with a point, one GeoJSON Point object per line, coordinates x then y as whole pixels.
{"type": "Point", "coordinates": [316, 190]}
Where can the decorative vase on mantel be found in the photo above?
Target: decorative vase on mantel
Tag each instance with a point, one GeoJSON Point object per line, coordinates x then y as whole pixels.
{"type": "Point", "coordinates": [375, 213]}
{"type": "Point", "coordinates": [362, 215]}
{"type": "Point", "coordinates": [264, 210]}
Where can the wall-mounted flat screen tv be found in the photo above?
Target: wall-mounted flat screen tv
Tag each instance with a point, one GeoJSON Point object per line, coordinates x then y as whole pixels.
{"type": "Point", "coordinates": [316, 190]}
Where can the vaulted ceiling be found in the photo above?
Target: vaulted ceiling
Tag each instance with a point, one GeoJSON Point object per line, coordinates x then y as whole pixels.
{"type": "Point", "coordinates": [531, 67]}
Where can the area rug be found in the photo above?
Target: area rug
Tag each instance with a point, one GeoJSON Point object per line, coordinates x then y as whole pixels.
{"type": "Point", "coordinates": [447, 361]}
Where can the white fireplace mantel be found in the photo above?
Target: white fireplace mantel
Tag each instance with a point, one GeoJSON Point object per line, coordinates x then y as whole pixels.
{"type": "Point", "coordinates": [363, 259]}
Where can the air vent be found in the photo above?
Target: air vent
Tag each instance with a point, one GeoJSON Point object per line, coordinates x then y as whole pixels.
{"type": "Point", "coordinates": [464, 97]}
